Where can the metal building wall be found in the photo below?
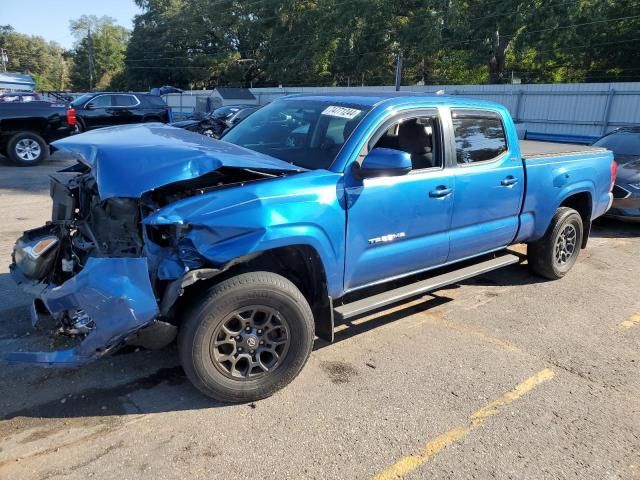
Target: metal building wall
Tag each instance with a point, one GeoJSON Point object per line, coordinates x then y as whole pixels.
{"type": "Point", "coordinates": [577, 109]}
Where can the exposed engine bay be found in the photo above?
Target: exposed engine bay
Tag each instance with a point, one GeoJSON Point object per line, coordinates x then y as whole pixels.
{"type": "Point", "coordinates": [94, 251]}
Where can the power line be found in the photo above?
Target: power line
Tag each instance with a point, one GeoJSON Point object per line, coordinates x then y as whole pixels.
{"type": "Point", "coordinates": [255, 52]}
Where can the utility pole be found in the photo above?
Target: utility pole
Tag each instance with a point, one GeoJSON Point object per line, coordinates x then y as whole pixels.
{"type": "Point", "coordinates": [398, 71]}
{"type": "Point", "coordinates": [4, 59]}
{"type": "Point", "coordinates": [91, 68]}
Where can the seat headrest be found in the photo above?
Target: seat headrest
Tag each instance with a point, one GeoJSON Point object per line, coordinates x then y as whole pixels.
{"type": "Point", "coordinates": [413, 137]}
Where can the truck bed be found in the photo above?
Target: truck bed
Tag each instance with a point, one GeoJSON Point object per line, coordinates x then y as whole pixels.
{"type": "Point", "coordinates": [532, 150]}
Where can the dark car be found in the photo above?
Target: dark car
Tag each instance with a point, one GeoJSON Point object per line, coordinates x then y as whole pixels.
{"type": "Point", "coordinates": [239, 116]}
{"type": "Point", "coordinates": [214, 124]}
{"type": "Point", "coordinates": [26, 129]}
{"type": "Point", "coordinates": [107, 109]}
{"type": "Point", "coordinates": [625, 145]}
{"type": "Point", "coordinates": [10, 97]}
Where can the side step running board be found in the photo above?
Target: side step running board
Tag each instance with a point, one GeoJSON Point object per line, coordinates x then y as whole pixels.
{"type": "Point", "coordinates": [422, 287]}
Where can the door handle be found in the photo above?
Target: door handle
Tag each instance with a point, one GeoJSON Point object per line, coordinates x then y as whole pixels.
{"type": "Point", "coordinates": [509, 181]}
{"type": "Point", "coordinates": [440, 192]}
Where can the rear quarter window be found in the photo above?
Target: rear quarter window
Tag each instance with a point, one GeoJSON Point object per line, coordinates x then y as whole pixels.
{"type": "Point", "coordinates": [154, 101]}
{"type": "Point", "coordinates": [479, 136]}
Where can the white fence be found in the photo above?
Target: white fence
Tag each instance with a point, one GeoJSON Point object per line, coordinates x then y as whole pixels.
{"type": "Point", "coordinates": [580, 109]}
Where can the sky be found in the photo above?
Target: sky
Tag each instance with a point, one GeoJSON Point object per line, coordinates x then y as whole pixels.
{"type": "Point", "coordinates": [50, 18]}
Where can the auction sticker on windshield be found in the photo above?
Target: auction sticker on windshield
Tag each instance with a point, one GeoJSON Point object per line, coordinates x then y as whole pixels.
{"type": "Point", "coordinates": [342, 112]}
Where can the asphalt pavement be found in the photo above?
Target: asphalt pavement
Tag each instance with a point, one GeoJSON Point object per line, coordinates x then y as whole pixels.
{"type": "Point", "coordinates": [504, 376]}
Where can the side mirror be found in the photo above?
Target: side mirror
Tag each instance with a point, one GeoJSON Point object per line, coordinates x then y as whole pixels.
{"type": "Point", "coordinates": [385, 162]}
{"type": "Point", "coordinates": [89, 106]}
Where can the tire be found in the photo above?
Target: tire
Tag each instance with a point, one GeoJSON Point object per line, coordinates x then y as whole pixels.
{"type": "Point", "coordinates": [256, 299]}
{"type": "Point", "coordinates": [27, 149]}
{"type": "Point", "coordinates": [554, 254]}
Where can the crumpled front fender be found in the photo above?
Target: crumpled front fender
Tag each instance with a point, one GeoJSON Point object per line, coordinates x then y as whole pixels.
{"type": "Point", "coordinates": [115, 293]}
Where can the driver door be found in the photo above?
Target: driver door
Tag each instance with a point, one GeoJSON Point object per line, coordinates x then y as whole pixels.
{"type": "Point", "coordinates": [95, 112]}
{"type": "Point", "coordinates": [400, 225]}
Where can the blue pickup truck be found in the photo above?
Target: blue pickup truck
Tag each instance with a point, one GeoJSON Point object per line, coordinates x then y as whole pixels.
{"type": "Point", "coordinates": [314, 210]}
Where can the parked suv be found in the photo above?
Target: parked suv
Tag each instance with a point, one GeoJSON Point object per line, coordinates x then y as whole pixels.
{"type": "Point", "coordinates": [106, 109]}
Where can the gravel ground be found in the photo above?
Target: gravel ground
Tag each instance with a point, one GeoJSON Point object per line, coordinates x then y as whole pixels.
{"type": "Point", "coordinates": [502, 376]}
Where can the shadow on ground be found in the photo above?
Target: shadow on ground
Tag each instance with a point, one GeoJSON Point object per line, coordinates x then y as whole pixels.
{"type": "Point", "coordinates": [611, 228]}
{"type": "Point", "coordinates": [137, 381]}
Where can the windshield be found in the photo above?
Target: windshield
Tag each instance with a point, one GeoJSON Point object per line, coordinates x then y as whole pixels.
{"type": "Point", "coordinates": [224, 112]}
{"type": "Point", "coordinates": [81, 100]}
{"type": "Point", "coordinates": [622, 143]}
{"type": "Point", "coordinates": [306, 133]}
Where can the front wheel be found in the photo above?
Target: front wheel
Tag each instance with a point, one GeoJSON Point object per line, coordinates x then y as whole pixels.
{"type": "Point", "coordinates": [247, 337]}
{"type": "Point", "coordinates": [554, 254]}
{"type": "Point", "coordinates": [27, 149]}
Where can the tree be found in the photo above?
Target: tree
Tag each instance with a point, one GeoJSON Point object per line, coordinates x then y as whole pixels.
{"type": "Point", "coordinates": [204, 43]}
{"type": "Point", "coordinates": [99, 52]}
{"type": "Point", "coordinates": [47, 62]}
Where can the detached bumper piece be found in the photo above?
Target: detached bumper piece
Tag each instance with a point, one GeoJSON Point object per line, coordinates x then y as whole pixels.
{"type": "Point", "coordinates": [116, 297]}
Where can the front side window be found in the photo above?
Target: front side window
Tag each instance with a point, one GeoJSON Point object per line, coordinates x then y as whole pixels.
{"type": "Point", "coordinates": [479, 136]}
{"type": "Point", "coordinates": [306, 133]}
{"type": "Point", "coordinates": [417, 136]}
{"type": "Point", "coordinates": [101, 101]}
{"type": "Point", "coordinates": [80, 101]}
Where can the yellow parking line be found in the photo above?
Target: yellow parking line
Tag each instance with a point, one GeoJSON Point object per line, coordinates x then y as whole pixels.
{"type": "Point", "coordinates": [409, 463]}
{"type": "Point", "coordinates": [631, 321]}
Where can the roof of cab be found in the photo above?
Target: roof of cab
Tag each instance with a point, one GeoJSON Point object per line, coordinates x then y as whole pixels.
{"type": "Point", "coordinates": [373, 99]}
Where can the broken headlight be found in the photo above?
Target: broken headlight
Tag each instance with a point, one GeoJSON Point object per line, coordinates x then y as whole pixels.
{"type": "Point", "coordinates": [35, 256]}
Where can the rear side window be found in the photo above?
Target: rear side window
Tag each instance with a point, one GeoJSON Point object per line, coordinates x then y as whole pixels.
{"type": "Point", "coordinates": [101, 101]}
{"type": "Point", "coordinates": [124, 101]}
{"type": "Point", "coordinates": [479, 136]}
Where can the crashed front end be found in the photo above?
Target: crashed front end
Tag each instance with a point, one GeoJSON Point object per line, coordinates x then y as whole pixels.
{"type": "Point", "coordinates": [87, 271]}
{"type": "Point", "coordinates": [100, 275]}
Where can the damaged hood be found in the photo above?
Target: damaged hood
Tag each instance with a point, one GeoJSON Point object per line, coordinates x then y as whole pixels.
{"type": "Point", "coordinates": [130, 160]}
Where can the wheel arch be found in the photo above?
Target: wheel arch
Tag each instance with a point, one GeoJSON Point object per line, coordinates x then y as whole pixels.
{"type": "Point", "coordinates": [300, 263]}
{"type": "Point", "coordinates": [582, 202]}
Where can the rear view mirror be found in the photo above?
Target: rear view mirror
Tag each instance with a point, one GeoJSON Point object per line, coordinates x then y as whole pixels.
{"type": "Point", "coordinates": [385, 162]}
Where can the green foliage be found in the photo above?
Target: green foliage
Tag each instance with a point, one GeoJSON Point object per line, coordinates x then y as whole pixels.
{"type": "Point", "coordinates": [99, 53]}
{"type": "Point", "coordinates": [46, 61]}
{"type": "Point", "coordinates": [204, 43]}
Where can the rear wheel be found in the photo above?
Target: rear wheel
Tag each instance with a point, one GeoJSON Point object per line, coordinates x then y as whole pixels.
{"type": "Point", "coordinates": [27, 149]}
{"type": "Point", "coordinates": [554, 254]}
{"type": "Point", "coordinates": [247, 337]}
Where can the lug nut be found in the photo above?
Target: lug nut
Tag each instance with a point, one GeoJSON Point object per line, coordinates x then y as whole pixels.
{"type": "Point", "coordinates": [259, 332]}
{"type": "Point", "coordinates": [261, 342]}
{"type": "Point", "coordinates": [239, 349]}
{"type": "Point", "coordinates": [248, 329]}
{"type": "Point", "coordinates": [251, 352]}
{"type": "Point", "coordinates": [238, 338]}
